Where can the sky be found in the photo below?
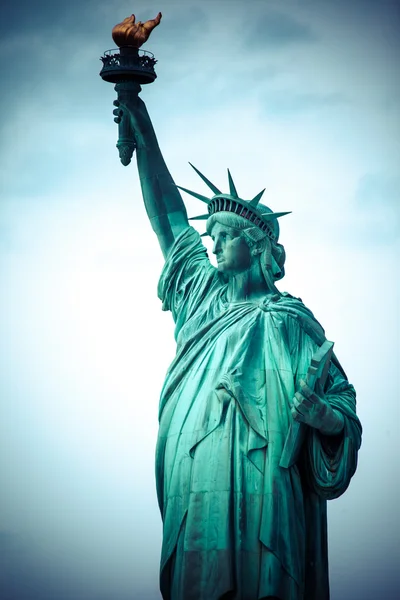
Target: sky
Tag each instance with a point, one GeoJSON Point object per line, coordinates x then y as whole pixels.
{"type": "Point", "coordinates": [300, 97]}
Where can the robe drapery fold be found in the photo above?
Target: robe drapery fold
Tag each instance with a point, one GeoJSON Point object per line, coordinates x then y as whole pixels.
{"type": "Point", "coordinates": [234, 521]}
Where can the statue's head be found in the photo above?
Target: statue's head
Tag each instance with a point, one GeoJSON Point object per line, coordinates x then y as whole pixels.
{"type": "Point", "coordinates": [238, 244]}
{"type": "Point", "coordinates": [244, 232]}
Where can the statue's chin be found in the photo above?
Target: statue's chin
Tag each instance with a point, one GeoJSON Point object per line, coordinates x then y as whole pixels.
{"type": "Point", "coordinates": [221, 266]}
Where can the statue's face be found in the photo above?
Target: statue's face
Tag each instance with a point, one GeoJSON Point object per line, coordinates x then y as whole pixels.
{"type": "Point", "coordinates": [231, 249]}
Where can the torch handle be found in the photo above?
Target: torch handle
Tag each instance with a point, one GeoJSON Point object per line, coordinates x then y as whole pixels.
{"type": "Point", "coordinates": [126, 138]}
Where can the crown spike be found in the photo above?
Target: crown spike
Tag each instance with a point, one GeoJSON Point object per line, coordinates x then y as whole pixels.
{"type": "Point", "coordinates": [206, 181]}
{"type": "Point", "coordinates": [199, 218]}
{"type": "Point", "coordinates": [195, 194]}
{"type": "Point", "coordinates": [256, 199]}
{"type": "Point", "coordinates": [232, 187]}
{"type": "Point", "coordinates": [271, 215]}
{"type": "Point", "coordinates": [204, 234]}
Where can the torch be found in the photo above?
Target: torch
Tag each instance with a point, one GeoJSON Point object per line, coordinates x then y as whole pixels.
{"type": "Point", "coordinates": [128, 67]}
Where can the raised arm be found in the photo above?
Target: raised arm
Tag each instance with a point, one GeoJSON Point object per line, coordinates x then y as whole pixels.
{"type": "Point", "coordinates": [162, 199]}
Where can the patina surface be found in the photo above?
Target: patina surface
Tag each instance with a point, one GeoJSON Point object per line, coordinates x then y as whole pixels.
{"type": "Point", "coordinates": [240, 520]}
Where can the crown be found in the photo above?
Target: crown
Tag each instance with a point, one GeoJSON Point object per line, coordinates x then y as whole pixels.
{"type": "Point", "coordinates": [231, 202]}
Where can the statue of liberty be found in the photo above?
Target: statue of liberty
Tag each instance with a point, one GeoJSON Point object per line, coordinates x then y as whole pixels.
{"type": "Point", "coordinates": [238, 522]}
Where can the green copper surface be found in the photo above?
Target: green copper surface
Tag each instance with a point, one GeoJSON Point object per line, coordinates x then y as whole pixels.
{"type": "Point", "coordinates": [238, 524]}
{"type": "Point", "coordinates": [206, 181]}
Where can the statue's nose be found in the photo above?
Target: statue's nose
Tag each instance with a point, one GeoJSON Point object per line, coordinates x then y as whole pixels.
{"type": "Point", "coordinates": [216, 247]}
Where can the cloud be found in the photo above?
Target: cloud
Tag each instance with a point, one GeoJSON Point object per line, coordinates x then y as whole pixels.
{"type": "Point", "coordinates": [284, 103]}
{"type": "Point", "coordinates": [378, 190]}
{"type": "Point", "coordinates": [47, 16]}
{"type": "Point", "coordinates": [277, 30]}
{"type": "Point", "coordinates": [376, 203]}
{"type": "Point", "coordinates": [182, 28]}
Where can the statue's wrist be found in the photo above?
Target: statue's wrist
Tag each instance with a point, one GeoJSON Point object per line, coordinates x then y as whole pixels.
{"type": "Point", "coordinates": [144, 133]}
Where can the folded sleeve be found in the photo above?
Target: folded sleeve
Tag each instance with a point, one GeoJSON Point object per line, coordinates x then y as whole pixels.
{"type": "Point", "coordinates": [187, 277]}
{"type": "Point", "coordinates": [332, 460]}
{"type": "Point", "coordinates": [329, 462]}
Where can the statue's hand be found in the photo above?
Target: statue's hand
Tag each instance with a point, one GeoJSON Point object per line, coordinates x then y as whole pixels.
{"type": "Point", "coordinates": [132, 111]}
{"type": "Point", "coordinates": [129, 33]}
{"type": "Point", "coordinates": [314, 410]}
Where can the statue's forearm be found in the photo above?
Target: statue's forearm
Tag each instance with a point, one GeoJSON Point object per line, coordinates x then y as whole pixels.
{"type": "Point", "coordinates": [163, 203]}
{"type": "Point", "coordinates": [162, 199]}
{"type": "Point", "coordinates": [159, 191]}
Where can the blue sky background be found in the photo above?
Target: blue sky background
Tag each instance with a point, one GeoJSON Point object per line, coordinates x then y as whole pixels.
{"type": "Point", "coordinates": [301, 97]}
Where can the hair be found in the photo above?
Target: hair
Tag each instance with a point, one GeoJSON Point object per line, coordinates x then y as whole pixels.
{"type": "Point", "coordinates": [272, 256]}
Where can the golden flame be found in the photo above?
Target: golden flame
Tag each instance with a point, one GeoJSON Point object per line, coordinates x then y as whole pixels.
{"type": "Point", "coordinates": [130, 33]}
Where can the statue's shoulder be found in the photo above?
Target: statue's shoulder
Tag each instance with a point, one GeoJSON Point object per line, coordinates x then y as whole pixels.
{"type": "Point", "coordinates": [287, 303]}
{"type": "Point", "coordinates": [291, 299]}
{"type": "Point", "coordinates": [292, 309]}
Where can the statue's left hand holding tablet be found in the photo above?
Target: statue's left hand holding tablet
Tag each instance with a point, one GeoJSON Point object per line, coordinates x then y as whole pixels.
{"type": "Point", "coordinates": [315, 410]}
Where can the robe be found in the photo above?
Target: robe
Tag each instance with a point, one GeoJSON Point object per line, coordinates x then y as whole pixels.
{"type": "Point", "coordinates": [236, 525]}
